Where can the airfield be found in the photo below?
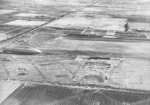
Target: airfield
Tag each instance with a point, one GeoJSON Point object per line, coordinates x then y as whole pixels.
{"type": "Point", "coordinates": [87, 58]}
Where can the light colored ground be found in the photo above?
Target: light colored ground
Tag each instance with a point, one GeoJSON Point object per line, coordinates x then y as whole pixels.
{"type": "Point", "coordinates": [92, 9]}
{"type": "Point", "coordinates": [31, 15]}
{"type": "Point", "coordinates": [143, 13]}
{"type": "Point", "coordinates": [133, 74]}
{"type": "Point", "coordinates": [3, 11]}
{"type": "Point", "coordinates": [60, 64]}
{"type": "Point", "coordinates": [58, 2]}
{"type": "Point", "coordinates": [128, 71]}
{"type": "Point", "coordinates": [147, 35]}
{"type": "Point", "coordinates": [135, 48]}
{"type": "Point", "coordinates": [102, 23]}
{"type": "Point", "coordinates": [24, 23]}
{"type": "Point", "coordinates": [3, 36]}
{"type": "Point", "coordinates": [128, 65]}
{"type": "Point", "coordinates": [6, 88]}
{"type": "Point", "coordinates": [139, 26]}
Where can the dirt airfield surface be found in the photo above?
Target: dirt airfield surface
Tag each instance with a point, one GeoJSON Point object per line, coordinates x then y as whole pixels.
{"type": "Point", "coordinates": [86, 56]}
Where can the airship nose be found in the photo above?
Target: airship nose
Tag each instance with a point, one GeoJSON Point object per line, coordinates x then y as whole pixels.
{"type": "Point", "coordinates": [37, 51]}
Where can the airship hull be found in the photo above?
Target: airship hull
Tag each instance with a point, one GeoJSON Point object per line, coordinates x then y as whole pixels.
{"type": "Point", "coordinates": [21, 51]}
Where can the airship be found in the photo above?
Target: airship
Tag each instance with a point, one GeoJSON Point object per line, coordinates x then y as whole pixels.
{"type": "Point", "coordinates": [21, 51]}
